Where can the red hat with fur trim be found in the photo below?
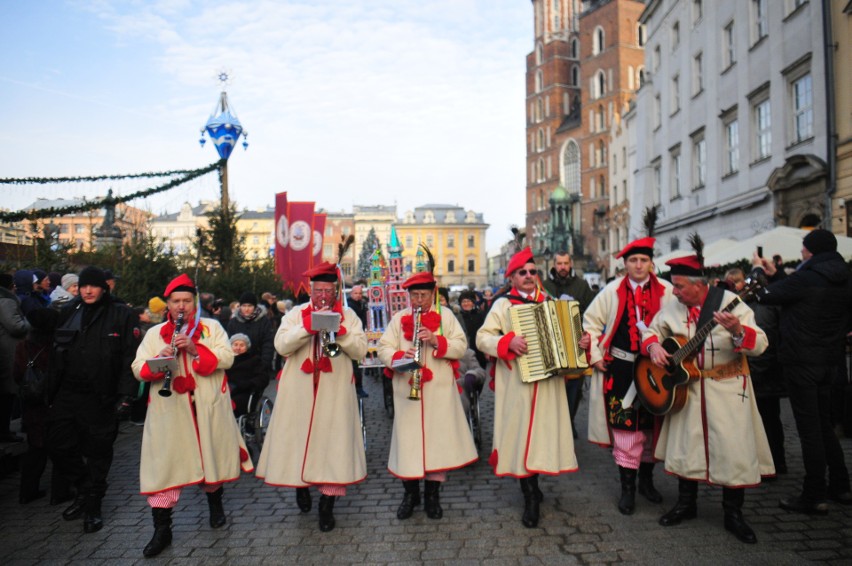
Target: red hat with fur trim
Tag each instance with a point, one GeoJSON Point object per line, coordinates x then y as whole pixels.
{"type": "Point", "coordinates": [519, 260]}
{"type": "Point", "coordinates": [422, 280]}
{"type": "Point", "coordinates": [644, 246]}
{"type": "Point", "coordinates": [325, 272]}
{"type": "Point", "coordinates": [181, 283]}
{"type": "Point", "coordinates": [689, 266]}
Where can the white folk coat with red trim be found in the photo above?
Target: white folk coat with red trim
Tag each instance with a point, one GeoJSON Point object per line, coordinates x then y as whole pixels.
{"type": "Point", "coordinates": [432, 434]}
{"type": "Point", "coordinates": [532, 424]}
{"type": "Point", "coordinates": [718, 436]}
{"type": "Point", "coordinates": [314, 435]}
{"type": "Point", "coordinates": [190, 437]}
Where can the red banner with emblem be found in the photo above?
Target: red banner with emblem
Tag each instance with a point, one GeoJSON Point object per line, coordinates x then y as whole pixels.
{"type": "Point", "coordinates": [282, 239]}
{"type": "Point", "coordinates": [319, 239]}
{"type": "Point", "coordinates": [301, 216]}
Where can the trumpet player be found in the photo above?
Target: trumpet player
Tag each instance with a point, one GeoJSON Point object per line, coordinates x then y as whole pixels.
{"type": "Point", "coordinates": [430, 433]}
{"type": "Point", "coordinates": [190, 435]}
{"type": "Point", "coordinates": [314, 437]}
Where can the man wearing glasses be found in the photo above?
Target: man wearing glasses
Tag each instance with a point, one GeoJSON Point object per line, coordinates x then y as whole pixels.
{"type": "Point", "coordinates": [314, 436]}
{"type": "Point", "coordinates": [532, 425]}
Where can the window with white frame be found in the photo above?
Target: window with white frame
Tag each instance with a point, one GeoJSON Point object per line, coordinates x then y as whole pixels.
{"type": "Point", "coordinates": [598, 41]}
{"type": "Point", "coordinates": [698, 73]}
{"type": "Point", "coordinates": [539, 80]}
{"type": "Point", "coordinates": [451, 266]}
{"type": "Point", "coordinates": [451, 241]}
{"type": "Point", "coordinates": [540, 170]}
{"type": "Point", "coordinates": [600, 122]}
{"type": "Point", "coordinates": [600, 84]}
{"type": "Point", "coordinates": [540, 140]}
{"type": "Point", "coordinates": [699, 160]}
{"type": "Point", "coordinates": [762, 117]}
{"type": "Point", "coordinates": [729, 54]}
{"type": "Point", "coordinates": [658, 181]}
{"type": "Point", "coordinates": [471, 241]}
{"type": "Point", "coordinates": [803, 109]}
{"type": "Point", "coordinates": [675, 94]}
{"type": "Point", "coordinates": [658, 118]}
{"type": "Point", "coordinates": [571, 167]}
{"type": "Point", "coordinates": [732, 145]}
{"type": "Point", "coordinates": [697, 11]}
{"type": "Point", "coordinates": [675, 35]}
{"type": "Point", "coordinates": [539, 110]}
{"type": "Point", "coordinates": [760, 21]}
{"type": "Point", "coordinates": [641, 35]}
{"type": "Point", "coordinates": [674, 172]}
{"type": "Point", "coordinates": [539, 54]}
{"type": "Point", "coordinates": [575, 76]}
{"type": "Point", "coordinates": [575, 48]}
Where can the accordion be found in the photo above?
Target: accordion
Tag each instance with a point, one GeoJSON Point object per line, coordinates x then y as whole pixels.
{"type": "Point", "coordinates": [552, 330]}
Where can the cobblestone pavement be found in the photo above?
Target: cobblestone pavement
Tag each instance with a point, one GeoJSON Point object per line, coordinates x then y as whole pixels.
{"type": "Point", "coordinates": [481, 524]}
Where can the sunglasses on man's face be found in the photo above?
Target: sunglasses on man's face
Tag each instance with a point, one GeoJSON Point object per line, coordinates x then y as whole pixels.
{"type": "Point", "coordinates": [523, 272]}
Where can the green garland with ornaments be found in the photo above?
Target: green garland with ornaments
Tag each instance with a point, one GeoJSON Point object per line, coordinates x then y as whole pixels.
{"type": "Point", "coordinates": [185, 175]}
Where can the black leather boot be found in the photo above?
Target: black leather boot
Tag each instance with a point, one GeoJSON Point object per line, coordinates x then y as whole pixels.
{"type": "Point", "coordinates": [536, 491]}
{"type": "Point", "coordinates": [685, 508]}
{"type": "Point", "coordinates": [75, 510]}
{"type": "Point", "coordinates": [162, 532]}
{"type": "Point", "coordinates": [646, 483]}
{"type": "Point", "coordinates": [433, 501]}
{"type": "Point", "coordinates": [410, 500]}
{"type": "Point", "coordinates": [217, 511]}
{"type": "Point", "coordinates": [531, 510]}
{"type": "Point", "coordinates": [326, 513]}
{"type": "Point", "coordinates": [303, 499]}
{"type": "Point", "coordinates": [92, 519]}
{"type": "Point", "coordinates": [732, 503]}
{"type": "Point", "coordinates": [627, 502]}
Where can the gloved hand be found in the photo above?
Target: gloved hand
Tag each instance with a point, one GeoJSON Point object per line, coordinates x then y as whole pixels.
{"type": "Point", "coordinates": [122, 407]}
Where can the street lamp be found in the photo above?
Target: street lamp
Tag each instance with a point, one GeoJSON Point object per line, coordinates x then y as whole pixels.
{"type": "Point", "coordinates": [224, 129]}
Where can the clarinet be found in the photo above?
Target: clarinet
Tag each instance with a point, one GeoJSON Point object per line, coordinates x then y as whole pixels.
{"type": "Point", "coordinates": [416, 375]}
{"type": "Point", "coordinates": [166, 390]}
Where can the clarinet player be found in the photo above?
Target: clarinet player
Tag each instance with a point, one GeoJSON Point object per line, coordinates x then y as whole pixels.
{"type": "Point", "coordinates": [430, 433]}
{"type": "Point", "coordinates": [190, 435]}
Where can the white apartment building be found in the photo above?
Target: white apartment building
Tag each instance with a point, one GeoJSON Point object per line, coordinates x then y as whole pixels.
{"type": "Point", "coordinates": [731, 126]}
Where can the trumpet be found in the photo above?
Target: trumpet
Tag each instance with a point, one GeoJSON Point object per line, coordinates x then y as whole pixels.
{"type": "Point", "coordinates": [327, 339]}
{"type": "Point", "coordinates": [327, 342]}
{"type": "Point", "coordinates": [166, 390]}
{"type": "Point", "coordinates": [414, 392]}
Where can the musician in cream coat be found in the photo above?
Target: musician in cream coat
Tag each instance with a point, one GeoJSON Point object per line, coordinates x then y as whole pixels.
{"type": "Point", "coordinates": [430, 436]}
{"type": "Point", "coordinates": [190, 437]}
{"type": "Point", "coordinates": [614, 322]}
{"type": "Point", "coordinates": [718, 436]}
{"type": "Point", "coordinates": [314, 436]}
{"type": "Point", "coordinates": [532, 424]}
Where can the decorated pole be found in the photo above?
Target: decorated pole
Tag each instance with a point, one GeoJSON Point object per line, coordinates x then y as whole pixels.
{"type": "Point", "coordinates": [224, 129]}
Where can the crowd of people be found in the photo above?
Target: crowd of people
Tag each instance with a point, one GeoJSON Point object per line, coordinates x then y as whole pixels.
{"type": "Point", "coordinates": [77, 359]}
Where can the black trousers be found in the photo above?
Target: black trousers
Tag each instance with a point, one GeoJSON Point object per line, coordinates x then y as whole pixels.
{"type": "Point", "coordinates": [81, 431]}
{"type": "Point", "coordinates": [769, 408]}
{"type": "Point", "coordinates": [809, 387]}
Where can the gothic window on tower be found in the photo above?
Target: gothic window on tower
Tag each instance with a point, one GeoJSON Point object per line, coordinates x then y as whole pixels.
{"type": "Point", "coordinates": [571, 167]}
{"type": "Point", "coordinates": [539, 81]}
{"type": "Point", "coordinates": [598, 41]}
{"type": "Point", "coordinates": [539, 50]}
{"type": "Point", "coordinates": [575, 48]}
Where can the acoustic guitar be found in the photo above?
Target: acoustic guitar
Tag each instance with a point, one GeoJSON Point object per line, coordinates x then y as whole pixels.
{"type": "Point", "coordinates": [663, 390]}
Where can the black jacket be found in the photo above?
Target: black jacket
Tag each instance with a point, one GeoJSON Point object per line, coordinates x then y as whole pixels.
{"type": "Point", "coordinates": [816, 308]}
{"type": "Point", "coordinates": [572, 286]}
{"type": "Point", "coordinates": [260, 332]}
{"type": "Point", "coordinates": [99, 354]}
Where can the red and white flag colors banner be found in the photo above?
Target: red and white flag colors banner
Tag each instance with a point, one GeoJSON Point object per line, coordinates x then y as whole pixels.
{"type": "Point", "coordinates": [301, 215]}
{"type": "Point", "coordinates": [282, 239]}
{"type": "Point", "coordinates": [319, 239]}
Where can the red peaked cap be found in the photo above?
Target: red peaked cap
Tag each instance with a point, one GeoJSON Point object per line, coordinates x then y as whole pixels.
{"type": "Point", "coordinates": [180, 283]}
{"type": "Point", "coordinates": [643, 246]}
{"type": "Point", "coordinates": [422, 280]}
{"type": "Point", "coordinates": [688, 266]}
{"type": "Point", "coordinates": [519, 260]}
{"type": "Point", "coordinates": [325, 272]}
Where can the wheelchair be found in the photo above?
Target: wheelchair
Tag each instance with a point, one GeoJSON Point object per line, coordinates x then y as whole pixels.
{"type": "Point", "coordinates": [254, 424]}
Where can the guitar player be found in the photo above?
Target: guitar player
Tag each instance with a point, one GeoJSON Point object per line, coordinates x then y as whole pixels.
{"type": "Point", "coordinates": [718, 437]}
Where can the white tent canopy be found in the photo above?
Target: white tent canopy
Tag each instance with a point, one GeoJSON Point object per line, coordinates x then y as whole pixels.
{"type": "Point", "coordinates": [781, 240]}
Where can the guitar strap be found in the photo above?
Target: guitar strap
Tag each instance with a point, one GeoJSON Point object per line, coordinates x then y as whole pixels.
{"type": "Point", "coordinates": [712, 303]}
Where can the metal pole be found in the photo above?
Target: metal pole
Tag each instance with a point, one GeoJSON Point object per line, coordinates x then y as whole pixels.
{"type": "Point", "coordinates": [223, 181]}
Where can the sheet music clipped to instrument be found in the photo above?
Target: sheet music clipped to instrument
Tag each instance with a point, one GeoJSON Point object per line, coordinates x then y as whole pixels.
{"type": "Point", "coordinates": [552, 330]}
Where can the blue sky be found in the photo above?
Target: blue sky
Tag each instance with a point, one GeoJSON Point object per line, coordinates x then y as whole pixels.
{"type": "Point", "coordinates": [345, 101]}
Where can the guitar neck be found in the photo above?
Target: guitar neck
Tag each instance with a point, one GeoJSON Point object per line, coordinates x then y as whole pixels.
{"type": "Point", "coordinates": [700, 335]}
